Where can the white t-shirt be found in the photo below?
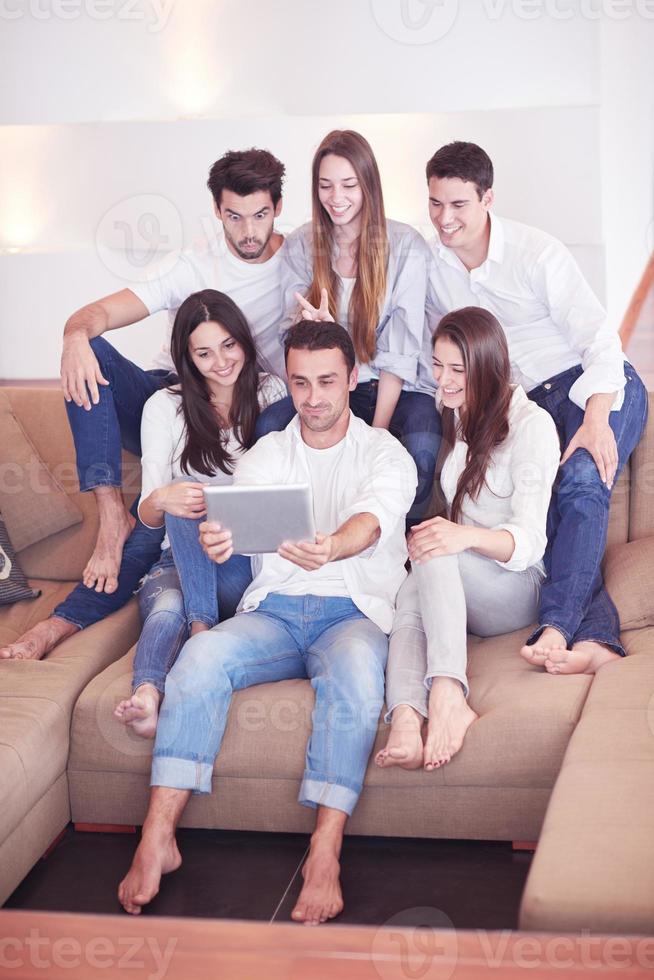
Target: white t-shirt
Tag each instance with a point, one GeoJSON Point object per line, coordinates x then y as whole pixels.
{"type": "Point", "coordinates": [163, 437]}
{"type": "Point", "coordinates": [328, 580]}
{"type": "Point", "coordinates": [254, 287]}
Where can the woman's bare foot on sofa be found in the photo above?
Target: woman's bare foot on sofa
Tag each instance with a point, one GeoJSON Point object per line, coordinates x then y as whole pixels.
{"type": "Point", "coordinates": [450, 717]}
{"type": "Point", "coordinates": [586, 657]}
{"type": "Point", "coordinates": [39, 640]}
{"type": "Point", "coordinates": [404, 745]}
{"type": "Point", "coordinates": [550, 641]}
{"type": "Point", "coordinates": [116, 523]}
{"type": "Point", "coordinates": [141, 711]}
{"type": "Point", "coordinates": [156, 855]}
{"type": "Point", "coordinates": [321, 897]}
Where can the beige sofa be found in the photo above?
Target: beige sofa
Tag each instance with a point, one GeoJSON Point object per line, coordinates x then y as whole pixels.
{"type": "Point", "coordinates": [565, 761]}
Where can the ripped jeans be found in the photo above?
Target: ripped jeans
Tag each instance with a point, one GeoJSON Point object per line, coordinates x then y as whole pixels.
{"type": "Point", "coordinates": [164, 632]}
{"type": "Point", "coordinates": [162, 605]}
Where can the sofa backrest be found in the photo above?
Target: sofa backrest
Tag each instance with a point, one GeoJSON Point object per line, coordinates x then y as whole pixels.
{"type": "Point", "coordinates": [42, 415]}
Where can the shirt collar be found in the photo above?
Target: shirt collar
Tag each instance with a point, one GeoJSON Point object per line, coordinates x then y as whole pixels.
{"type": "Point", "coordinates": [495, 245]}
{"type": "Point", "coordinates": [353, 433]}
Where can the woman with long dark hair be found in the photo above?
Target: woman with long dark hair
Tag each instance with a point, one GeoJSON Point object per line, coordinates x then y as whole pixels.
{"type": "Point", "coordinates": [192, 433]}
{"type": "Point", "coordinates": [370, 274]}
{"type": "Point", "coordinates": [478, 568]}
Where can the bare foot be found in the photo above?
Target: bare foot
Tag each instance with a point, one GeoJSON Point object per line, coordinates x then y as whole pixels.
{"type": "Point", "coordinates": [116, 523]}
{"type": "Point", "coordinates": [141, 711]}
{"type": "Point", "coordinates": [450, 717]}
{"type": "Point", "coordinates": [404, 745]}
{"type": "Point", "coordinates": [155, 856]}
{"type": "Point", "coordinates": [548, 642]}
{"type": "Point", "coordinates": [321, 897]}
{"type": "Point", "coordinates": [39, 640]}
{"type": "Point", "coordinates": [197, 627]}
{"type": "Point", "coordinates": [586, 657]}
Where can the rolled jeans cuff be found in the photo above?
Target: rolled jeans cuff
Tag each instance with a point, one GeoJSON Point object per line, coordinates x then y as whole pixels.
{"type": "Point", "coordinates": [209, 621]}
{"type": "Point", "coordinates": [181, 774]}
{"type": "Point", "coordinates": [461, 678]}
{"type": "Point", "coordinates": [420, 708]}
{"type": "Point", "coordinates": [555, 626]}
{"type": "Point", "coordinates": [317, 791]}
{"type": "Point", "coordinates": [607, 642]}
{"type": "Point", "coordinates": [157, 681]}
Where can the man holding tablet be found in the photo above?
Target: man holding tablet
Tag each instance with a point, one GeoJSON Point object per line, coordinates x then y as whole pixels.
{"type": "Point", "coordinates": [320, 609]}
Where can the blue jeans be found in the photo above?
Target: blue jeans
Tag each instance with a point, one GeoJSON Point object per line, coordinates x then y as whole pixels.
{"type": "Point", "coordinates": [325, 639]}
{"type": "Point", "coordinates": [83, 606]}
{"type": "Point", "coordinates": [415, 422]}
{"type": "Point", "coordinates": [115, 421]}
{"type": "Point", "coordinates": [573, 597]}
{"type": "Point", "coordinates": [161, 605]}
{"type": "Point", "coordinates": [211, 592]}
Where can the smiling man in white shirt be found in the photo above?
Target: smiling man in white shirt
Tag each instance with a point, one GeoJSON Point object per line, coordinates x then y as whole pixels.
{"type": "Point", "coordinates": [320, 609]}
{"type": "Point", "coordinates": [570, 361]}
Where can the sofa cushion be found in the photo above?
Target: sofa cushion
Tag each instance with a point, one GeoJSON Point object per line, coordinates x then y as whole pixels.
{"type": "Point", "coordinates": [21, 616]}
{"type": "Point", "coordinates": [13, 583]}
{"type": "Point", "coordinates": [515, 748]}
{"type": "Point", "coordinates": [33, 503]}
{"type": "Point", "coordinates": [628, 570]}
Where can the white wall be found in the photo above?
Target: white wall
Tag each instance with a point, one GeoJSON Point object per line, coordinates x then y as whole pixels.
{"type": "Point", "coordinates": [103, 122]}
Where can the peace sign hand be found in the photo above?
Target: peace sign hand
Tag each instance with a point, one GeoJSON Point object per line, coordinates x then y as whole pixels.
{"type": "Point", "coordinates": [309, 312]}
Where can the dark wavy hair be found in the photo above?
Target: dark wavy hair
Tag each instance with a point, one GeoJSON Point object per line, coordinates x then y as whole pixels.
{"type": "Point", "coordinates": [245, 171]}
{"type": "Point", "coordinates": [308, 335]}
{"type": "Point", "coordinates": [204, 450]}
{"type": "Point", "coordinates": [467, 161]}
{"type": "Point", "coordinates": [484, 420]}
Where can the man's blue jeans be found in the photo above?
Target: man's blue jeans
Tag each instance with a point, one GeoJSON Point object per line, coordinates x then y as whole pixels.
{"type": "Point", "coordinates": [325, 639]}
{"type": "Point", "coordinates": [573, 597]}
{"type": "Point", "coordinates": [98, 435]}
{"type": "Point", "coordinates": [415, 422]}
{"type": "Point", "coordinates": [83, 606]}
{"type": "Point", "coordinates": [115, 421]}
{"type": "Point", "coordinates": [212, 592]}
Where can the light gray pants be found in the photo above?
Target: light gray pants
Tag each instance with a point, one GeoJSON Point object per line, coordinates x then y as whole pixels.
{"type": "Point", "coordinates": [438, 603]}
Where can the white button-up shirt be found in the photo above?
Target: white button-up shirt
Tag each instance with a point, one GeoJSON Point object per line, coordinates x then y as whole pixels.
{"type": "Point", "coordinates": [550, 315]}
{"type": "Point", "coordinates": [516, 492]}
{"type": "Point", "coordinates": [376, 475]}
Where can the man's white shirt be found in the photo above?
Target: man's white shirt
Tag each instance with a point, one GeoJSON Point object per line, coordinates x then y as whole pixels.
{"type": "Point", "coordinates": [550, 315]}
{"type": "Point", "coordinates": [373, 474]}
{"type": "Point", "coordinates": [254, 287]}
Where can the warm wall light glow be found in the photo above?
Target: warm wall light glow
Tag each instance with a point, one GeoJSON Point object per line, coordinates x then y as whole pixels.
{"type": "Point", "coordinates": [192, 60]}
{"type": "Point", "coordinates": [19, 227]}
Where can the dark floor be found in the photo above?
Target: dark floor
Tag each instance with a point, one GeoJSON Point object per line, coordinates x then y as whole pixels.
{"type": "Point", "coordinates": [225, 874]}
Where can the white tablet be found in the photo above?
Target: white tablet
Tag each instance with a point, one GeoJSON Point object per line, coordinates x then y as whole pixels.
{"type": "Point", "coordinates": [261, 518]}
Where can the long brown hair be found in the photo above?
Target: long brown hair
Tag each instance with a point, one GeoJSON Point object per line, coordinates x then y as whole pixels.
{"type": "Point", "coordinates": [372, 250]}
{"type": "Point", "coordinates": [484, 420]}
{"type": "Point", "coordinates": [204, 450]}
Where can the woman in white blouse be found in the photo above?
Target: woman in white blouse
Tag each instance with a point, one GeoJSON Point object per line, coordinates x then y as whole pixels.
{"type": "Point", "coordinates": [479, 569]}
{"type": "Point", "coordinates": [370, 274]}
{"type": "Point", "coordinates": [192, 433]}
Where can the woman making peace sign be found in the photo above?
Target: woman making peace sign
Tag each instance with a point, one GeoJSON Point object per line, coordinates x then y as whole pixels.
{"type": "Point", "coordinates": [351, 265]}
